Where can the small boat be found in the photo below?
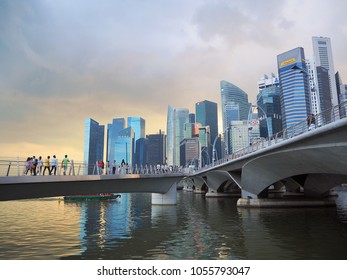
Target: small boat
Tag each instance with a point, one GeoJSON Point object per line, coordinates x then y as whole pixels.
{"type": "Point", "coordinates": [95, 196]}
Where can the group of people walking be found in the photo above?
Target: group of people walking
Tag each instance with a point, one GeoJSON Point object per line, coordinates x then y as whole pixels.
{"type": "Point", "coordinates": [39, 166]}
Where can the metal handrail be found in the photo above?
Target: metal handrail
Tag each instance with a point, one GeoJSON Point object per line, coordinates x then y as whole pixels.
{"type": "Point", "coordinates": [17, 167]}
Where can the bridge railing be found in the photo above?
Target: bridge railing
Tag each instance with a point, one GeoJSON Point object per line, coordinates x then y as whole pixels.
{"type": "Point", "coordinates": [19, 167]}
{"type": "Point", "coordinates": [326, 117]}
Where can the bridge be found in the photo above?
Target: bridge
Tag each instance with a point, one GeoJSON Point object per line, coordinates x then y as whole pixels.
{"type": "Point", "coordinates": [299, 162]}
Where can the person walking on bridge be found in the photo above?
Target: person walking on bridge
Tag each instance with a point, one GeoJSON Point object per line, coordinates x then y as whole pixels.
{"type": "Point", "coordinates": [54, 165]}
{"type": "Point", "coordinates": [47, 165]}
{"type": "Point", "coordinates": [65, 163]}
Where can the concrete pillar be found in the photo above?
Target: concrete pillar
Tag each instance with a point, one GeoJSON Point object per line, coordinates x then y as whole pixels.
{"type": "Point", "coordinates": [169, 198]}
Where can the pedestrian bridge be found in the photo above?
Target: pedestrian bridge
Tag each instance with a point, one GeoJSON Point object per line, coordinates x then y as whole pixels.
{"type": "Point", "coordinates": [297, 162]}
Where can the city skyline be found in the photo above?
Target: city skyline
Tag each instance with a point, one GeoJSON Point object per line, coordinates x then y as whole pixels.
{"type": "Point", "coordinates": [63, 62]}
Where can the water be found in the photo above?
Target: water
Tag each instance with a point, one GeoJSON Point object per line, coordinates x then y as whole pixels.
{"type": "Point", "coordinates": [196, 228]}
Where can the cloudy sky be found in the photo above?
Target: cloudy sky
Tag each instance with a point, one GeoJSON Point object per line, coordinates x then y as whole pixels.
{"type": "Point", "coordinates": [64, 61]}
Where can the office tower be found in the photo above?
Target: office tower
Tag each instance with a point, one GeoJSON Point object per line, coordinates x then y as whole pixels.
{"type": "Point", "coordinates": [235, 104]}
{"type": "Point", "coordinates": [238, 135]}
{"type": "Point", "coordinates": [313, 85]}
{"type": "Point", "coordinates": [207, 115]}
{"type": "Point", "coordinates": [294, 87]}
{"type": "Point", "coordinates": [138, 124]}
{"type": "Point", "coordinates": [192, 118]}
{"type": "Point", "coordinates": [323, 57]}
{"type": "Point", "coordinates": [176, 118]}
{"type": "Point", "coordinates": [156, 149]}
{"type": "Point", "coordinates": [93, 144]}
{"type": "Point", "coordinates": [189, 152]}
{"type": "Point", "coordinates": [269, 106]}
{"type": "Point", "coordinates": [113, 129]}
{"type": "Point", "coordinates": [123, 146]}
{"type": "Point", "coordinates": [324, 90]}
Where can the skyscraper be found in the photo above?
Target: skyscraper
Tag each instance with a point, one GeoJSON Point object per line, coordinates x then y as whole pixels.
{"type": "Point", "coordinates": [269, 106]}
{"type": "Point", "coordinates": [138, 124]}
{"type": "Point", "coordinates": [112, 134]}
{"type": "Point", "coordinates": [324, 57]}
{"type": "Point", "coordinates": [176, 118]}
{"type": "Point", "coordinates": [207, 115]}
{"type": "Point", "coordinates": [235, 107]}
{"type": "Point", "coordinates": [235, 104]}
{"type": "Point", "coordinates": [123, 146]}
{"type": "Point", "coordinates": [93, 143]}
{"type": "Point", "coordinates": [294, 82]}
{"type": "Point", "coordinates": [156, 149]}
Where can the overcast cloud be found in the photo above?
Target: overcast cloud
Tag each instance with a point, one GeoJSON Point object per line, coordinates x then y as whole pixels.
{"type": "Point", "coordinates": [63, 61]}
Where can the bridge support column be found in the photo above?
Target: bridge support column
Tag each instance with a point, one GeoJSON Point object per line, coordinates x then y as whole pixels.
{"type": "Point", "coordinates": [169, 198]}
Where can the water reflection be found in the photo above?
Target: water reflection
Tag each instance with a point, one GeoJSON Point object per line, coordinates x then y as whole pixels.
{"type": "Point", "coordinates": [196, 228]}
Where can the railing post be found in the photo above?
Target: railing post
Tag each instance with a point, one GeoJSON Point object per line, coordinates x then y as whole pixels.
{"type": "Point", "coordinates": [8, 169]}
{"type": "Point", "coordinates": [18, 172]}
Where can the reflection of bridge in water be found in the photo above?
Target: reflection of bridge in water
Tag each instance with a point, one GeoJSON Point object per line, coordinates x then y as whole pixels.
{"type": "Point", "coordinates": [298, 162]}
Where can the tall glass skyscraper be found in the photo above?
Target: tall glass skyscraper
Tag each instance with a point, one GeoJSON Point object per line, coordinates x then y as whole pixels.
{"type": "Point", "coordinates": [324, 57]}
{"type": "Point", "coordinates": [176, 118]}
{"type": "Point", "coordinates": [138, 124]}
{"type": "Point", "coordinates": [235, 104]}
{"type": "Point", "coordinates": [294, 82]}
{"type": "Point", "coordinates": [93, 143]}
{"type": "Point", "coordinates": [206, 114]}
{"type": "Point", "coordinates": [123, 146]}
{"type": "Point", "coordinates": [112, 134]}
{"type": "Point", "coordinates": [269, 106]}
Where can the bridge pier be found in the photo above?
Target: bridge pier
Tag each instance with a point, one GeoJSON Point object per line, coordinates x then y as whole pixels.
{"type": "Point", "coordinates": [169, 198]}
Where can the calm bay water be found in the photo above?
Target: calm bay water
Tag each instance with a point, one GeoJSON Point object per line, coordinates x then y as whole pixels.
{"type": "Point", "coordinates": [196, 228]}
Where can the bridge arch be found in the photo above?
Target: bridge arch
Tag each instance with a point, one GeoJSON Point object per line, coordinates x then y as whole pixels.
{"type": "Point", "coordinates": [319, 165]}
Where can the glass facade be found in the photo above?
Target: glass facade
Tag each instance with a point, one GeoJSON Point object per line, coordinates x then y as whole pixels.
{"type": "Point", "coordinates": [93, 143]}
{"type": "Point", "coordinates": [235, 104]}
{"type": "Point", "coordinates": [294, 82]}
{"type": "Point", "coordinates": [123, 146]}
{"type": "Point", "coordinates": [323, 56]}
{"type": "Point", "coordinates": [138, 124]}
{"type": "Point", "coordinates": [112, 134]}
{"type": "Point", "coordinates": [269, 106]}
{"type": "Point", "coordinates": [176, 119]}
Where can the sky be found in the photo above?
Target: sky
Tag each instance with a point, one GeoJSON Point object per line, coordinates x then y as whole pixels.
{"type": "Point", "coordinates": [64, 61]}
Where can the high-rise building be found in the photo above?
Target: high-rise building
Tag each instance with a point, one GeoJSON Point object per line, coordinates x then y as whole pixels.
{"type": "Point", "coordinates": [138, 124]}
{"type": "Point", "coordinates": [269, 106]}
{"type": "Point", "coordinates": [238, 136]}
{"type": "Point", "coordinates": [93, 144]}
{"type": "Point", "coordinates": [323, 83]}
{"type": "Point", "coordinates": [156, 149]}
{"type": "Point", "coordinates": [235, 107]}
{"type": "Point", "coordinates": [314, 89]}
{"type": "Point", "coordinates": [207, 115]}
{"type": "Point", "coordinates": [294, 87]}
{"type": "Point", "coordinates": [123, 146]}
{"type": "Point", "coordinates": [189, 151]}
{"type": "Point", "coordinates": [323, 56]}
{"type": "Point", "coordinates": [113, 129]}
{"type": "Point", "coordinates": [176, 118]}
{"type": "Point", "coordinates": [234, 99]}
